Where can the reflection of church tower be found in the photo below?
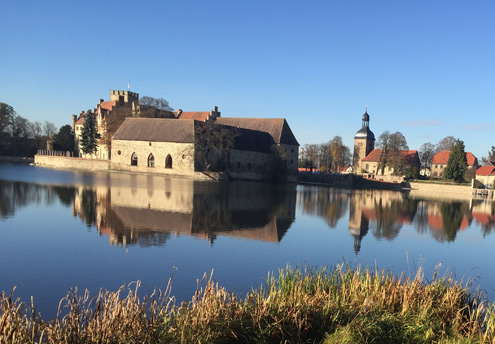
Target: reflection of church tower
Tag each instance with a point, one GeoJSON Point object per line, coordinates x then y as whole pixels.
{"type": "Point", "coordinates": [358, 223]}
{"type": "Point", "coordinates": [364, 143]}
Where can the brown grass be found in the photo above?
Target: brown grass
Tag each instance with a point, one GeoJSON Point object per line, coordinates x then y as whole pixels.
{"type": "Point", "coordinates": [339, 305]}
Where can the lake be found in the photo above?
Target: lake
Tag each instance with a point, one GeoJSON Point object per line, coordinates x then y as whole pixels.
{"type": "Point", "coordinates": [62, 229]}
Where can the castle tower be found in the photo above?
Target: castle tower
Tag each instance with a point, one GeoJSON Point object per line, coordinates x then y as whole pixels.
{"type": "Point", "coordinates": [126, 99]}
{"type": "Point", "coordinates": [364, 143]}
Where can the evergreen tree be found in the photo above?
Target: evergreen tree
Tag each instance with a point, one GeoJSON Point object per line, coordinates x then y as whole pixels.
{"type": "Point", "coordinates": [64, 139]}
{"type": "Point", "coordinates": [89, 134]}
{"type": "Point", "coordinates": [457, 163]}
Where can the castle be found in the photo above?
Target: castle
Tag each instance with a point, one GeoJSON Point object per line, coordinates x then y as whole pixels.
{"type": "Point", "coordinates": [260, 147]}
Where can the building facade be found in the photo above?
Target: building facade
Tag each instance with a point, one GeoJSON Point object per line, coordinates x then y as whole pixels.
{"type": "Point", "coordinates": [440, 160]}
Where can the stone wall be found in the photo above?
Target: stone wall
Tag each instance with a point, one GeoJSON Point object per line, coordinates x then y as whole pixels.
{"type": "Point", "coordinates": [182, 155]}
{"type": "Point", "coordinates": [72, 163]}
{"type": "Point", "coordinates": [440, 191]}
{"type": "Point", "coordinates": [250, 165]}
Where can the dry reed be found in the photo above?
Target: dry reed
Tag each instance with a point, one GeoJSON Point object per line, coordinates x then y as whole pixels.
{"type": "Point", "coordinates": [309, 305]}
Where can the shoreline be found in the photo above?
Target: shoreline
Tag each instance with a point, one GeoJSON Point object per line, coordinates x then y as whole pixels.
{"type": "Point", "coordinates": [325, 305]}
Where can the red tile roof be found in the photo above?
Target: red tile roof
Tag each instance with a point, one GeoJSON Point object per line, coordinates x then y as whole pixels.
{"type": "Point", "coordinates": [81, 119]}
{"type": "Point", "coordinates": [442, 158]}
{"type": "Point", "coordinates": [198, 116]}
{"type": "Point", "coordinates": [108, 105]}
{"type": "Point", "coordinates": [375, 155]}
{"type": "Point", "coordinates": [486, 171]}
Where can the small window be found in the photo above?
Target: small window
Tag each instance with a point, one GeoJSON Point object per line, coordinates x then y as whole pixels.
{"type": "Point", "coordinates": [292, 150]}
{"type": "Point", "coordinates": [168, 161]}
{"type": "Point", "coordinates": [238, 165]}
{"type": "Point", "coordinates": [151, 161]}
{"type": "Point", "coordinates": [441, 166]}
{"type": "Point", "coordinates": [150, 143]}
{"type": "Point", "coordinates": [119, 152]}
{"type": "Point", "coordinates": [134, 159]}
{"type": "Point", "coordinates": [292, 161]}
{"type": "Point", "coordinates": [249, 165]}
{"type": "Point", "coordinates": [367, 166]}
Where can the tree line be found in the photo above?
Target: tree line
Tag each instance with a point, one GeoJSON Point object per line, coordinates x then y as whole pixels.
{"type": "Point", "coordinates": [21, 137]}
{"type": "Point", "coordinates": [328, 157]}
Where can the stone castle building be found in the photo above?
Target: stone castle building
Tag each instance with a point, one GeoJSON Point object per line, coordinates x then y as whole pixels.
{"type": "Point", "coordinates": [118, 100]}
{"type": "Point", "coordinates": [261, 146]}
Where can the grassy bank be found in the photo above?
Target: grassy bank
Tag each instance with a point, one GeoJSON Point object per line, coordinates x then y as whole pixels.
{"type": "Point", "coordinates": [337, 305]}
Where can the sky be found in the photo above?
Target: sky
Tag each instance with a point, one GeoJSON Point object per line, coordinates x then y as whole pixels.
{"type": "Point", "coordinates": [423, 68]}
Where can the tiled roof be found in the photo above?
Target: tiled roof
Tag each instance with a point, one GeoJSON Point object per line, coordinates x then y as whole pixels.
{"type": "Point", "coordinates": [108, 105]}
{"type": "Point", "coordinates": [486, 171]}
{"type": "Point", "coordinates": [442, 158]}
{"type": "Point", "coordinates": [80, 120]}
{"type": "Point", "coordinates": [156, 130]}
{"type": "Point", "coordinates": [376, 154]}
{"type": "Point", "coordinates": [198, 116]}
{"type": "Point", "coordinates": [276, 127]}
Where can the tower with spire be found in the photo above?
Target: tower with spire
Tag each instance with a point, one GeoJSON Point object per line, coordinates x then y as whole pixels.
{"type": "Point", "coordinates": [364, 143]}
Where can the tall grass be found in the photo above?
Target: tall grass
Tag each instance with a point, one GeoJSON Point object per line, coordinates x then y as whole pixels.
{"type": "Point", "coordinates": [308, 305]}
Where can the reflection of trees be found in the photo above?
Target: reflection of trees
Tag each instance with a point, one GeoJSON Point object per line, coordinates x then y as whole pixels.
{"type": "Point", "coordinates": [14, 195]}
{"type": "Point", "coordinates": [330, 204]}
{"type": "Point", "coordinates": [389, 218]}
{"type": "Point", "coordinates": [452, 215]}
{"type": "Point", "coordinates": [88, 206]}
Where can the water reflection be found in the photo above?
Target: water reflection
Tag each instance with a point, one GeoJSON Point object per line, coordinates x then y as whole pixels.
{"type": "Point", "coordinates": [146, 210]}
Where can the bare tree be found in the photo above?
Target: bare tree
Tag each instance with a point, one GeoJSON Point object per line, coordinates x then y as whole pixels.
{"type": "Point", "coordinates": [112, 123]}
{"type": "Point", "coordinates": [49, 129]}
{"type": "Point", "coordinates": [426, 152]}
{"type": "Point", "coordinates": [490, 159]}
{"type": "Point", "coordinates": [392, 145]}
{"type": "Point", "coordinates": [341, 154]}
{"type": "Point", "coordinates": [446, 144]}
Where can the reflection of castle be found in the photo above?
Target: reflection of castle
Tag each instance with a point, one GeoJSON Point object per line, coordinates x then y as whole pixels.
{"type": "Point", "coordinates": [146, 210]}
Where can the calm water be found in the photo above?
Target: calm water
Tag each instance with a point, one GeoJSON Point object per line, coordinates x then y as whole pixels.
{"type": "Point", "coordinates": [61, 229]}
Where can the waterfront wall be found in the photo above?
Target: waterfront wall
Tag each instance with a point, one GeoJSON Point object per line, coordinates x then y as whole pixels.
{"type": "Point", "coordinates": [72, 163]}
{"type": "Point", "coordinates": [440, 191]}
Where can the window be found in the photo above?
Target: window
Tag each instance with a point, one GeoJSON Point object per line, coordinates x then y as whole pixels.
{"type": "Point", "coordinates": [151, 160]}
{"type": "Point", "coordinates": [292, 150]}
{"type": "Point", "coordinates": [249, 165]}
{"type": "Point", "coordinates": [441, 166]}
{"type": "Point", "coordinates": [367, 166]}
{"type": "Point", "coordinates": [238, 165]}
{"type": "Point", "coordinates": [134, 159]}
{"type": "Point", "coordinates": [168, 161]}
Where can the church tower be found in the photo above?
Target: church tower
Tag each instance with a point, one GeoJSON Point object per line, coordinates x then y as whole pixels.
{"type": "Point", "coordinates": [364, 143]}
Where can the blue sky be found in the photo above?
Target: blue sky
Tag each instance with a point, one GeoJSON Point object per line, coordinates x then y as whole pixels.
{"type": "Point", "coordinates": [424, 68]}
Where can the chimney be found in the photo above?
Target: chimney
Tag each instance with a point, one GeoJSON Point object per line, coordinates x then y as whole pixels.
{"type": "Point", "coordinates": [101, 101]}
{"type": "Point", "coordinates": [179, 112]}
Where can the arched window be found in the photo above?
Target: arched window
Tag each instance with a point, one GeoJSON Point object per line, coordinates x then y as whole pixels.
{"type": "Point", "coordinates": [168, 161]}
{"type": "Point", "coordinates": [151, 160]}
{"type": "Point", "coordinates": [134, 159]}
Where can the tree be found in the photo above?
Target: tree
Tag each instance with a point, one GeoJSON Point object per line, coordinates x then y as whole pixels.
{"type": "Point", "coordinates": [311, 156]}
{"type": "Point", "coordinates": [157, 103]}
{"type": "Point", "coordinates": [6, 113]}
{"type": "Point", "coordinates": [490, 159]}
{"type": "Point", "coordinates": [341, 154]}
{"type": "Point", "coordinates": [426, 152]}
{"type": "Point", "coordinates": [112, 123]}
{"type": "Point", "coordinates": [64, 139]}
{"type": "Point", "coordinates": [446, 144]}
{"type": "Point", "coordinates": [49, 129]}
{"type": "Point", "coordinates": [89, 134]}
{"type": "Point", "coordinates": [392, 145]}
{"type": "Point", "coordinates": [19, 131]}
{"type": "Point", "coordinates": [457, 163]}
{"type": "Point", "coordinates": [212, 140]}
{"type": "Point", "coordinates": [155, 108]}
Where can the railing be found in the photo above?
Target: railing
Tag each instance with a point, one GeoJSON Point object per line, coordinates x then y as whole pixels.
{"type": "Point", "coordinates": [46, 152]}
